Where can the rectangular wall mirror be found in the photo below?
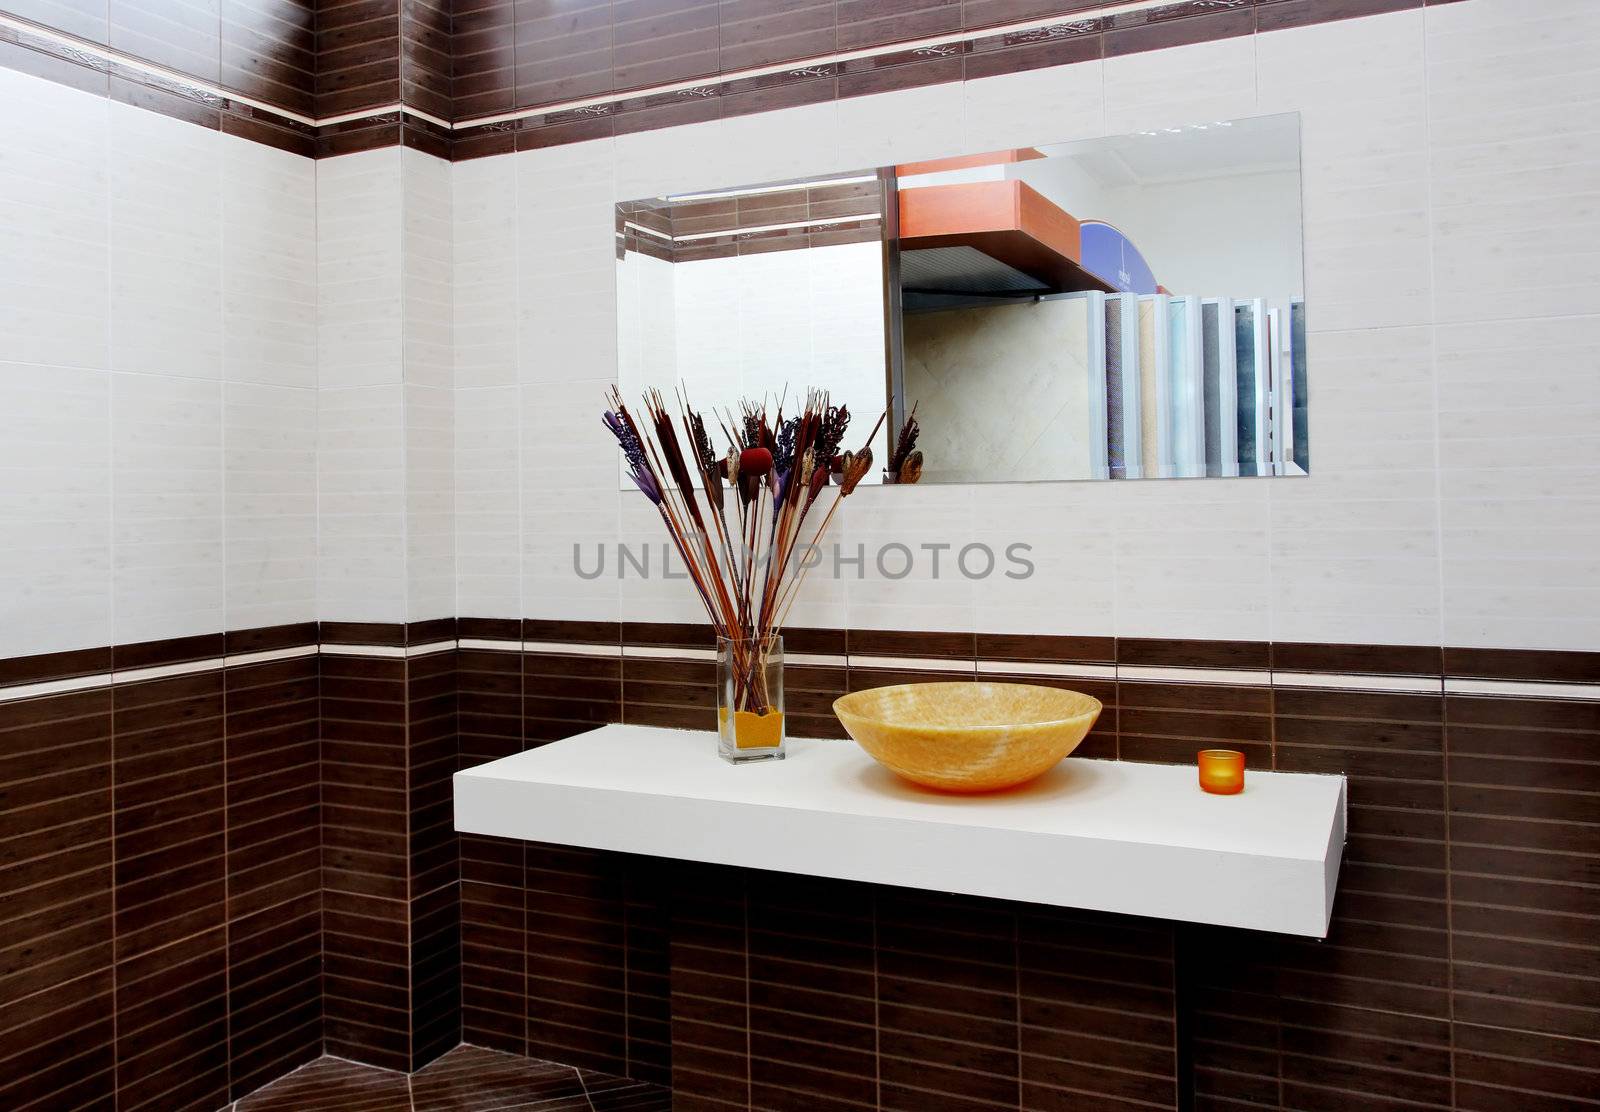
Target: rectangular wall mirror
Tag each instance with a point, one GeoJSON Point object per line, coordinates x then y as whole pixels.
{"type": "Point", "coordinates": [1117, 308]}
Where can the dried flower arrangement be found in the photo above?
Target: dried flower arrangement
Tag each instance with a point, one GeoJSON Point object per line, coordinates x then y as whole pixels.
{"type": "Point", "coordinates": [739, 545]}
{"type": "Point", "coordinates": [905, 462]}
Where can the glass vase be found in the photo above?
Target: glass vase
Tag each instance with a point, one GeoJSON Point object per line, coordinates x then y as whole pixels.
{"type": "Point", "coordinates": [750, 699]}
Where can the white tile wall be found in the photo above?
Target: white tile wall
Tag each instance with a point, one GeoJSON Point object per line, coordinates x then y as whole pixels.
{"type": "Point", "coordinates": [156, 300]}
{"type": "Point", "coordinates": [167, 542]}
{"type": "Point", "coordinates": [1451, 467]}
{"type": "Point", "coordinates": [55, 508]}
{"type": "Point", "coordinates": [202, 429]}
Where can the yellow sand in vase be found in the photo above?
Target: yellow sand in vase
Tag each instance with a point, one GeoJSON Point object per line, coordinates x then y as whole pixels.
{"type": "Point", "coordinates": [752, 730]}
{"type": "Point", "coordinates": [968, 737]}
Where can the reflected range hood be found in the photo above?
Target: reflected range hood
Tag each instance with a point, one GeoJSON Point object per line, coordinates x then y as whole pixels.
{"type": "Point", "coordinates": [994, 237]}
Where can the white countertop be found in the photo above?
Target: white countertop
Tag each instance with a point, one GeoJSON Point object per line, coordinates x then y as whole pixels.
{"type": "Point", "coordinates": [1118, 836]}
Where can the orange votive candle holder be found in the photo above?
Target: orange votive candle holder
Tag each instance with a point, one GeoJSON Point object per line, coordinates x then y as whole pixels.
{"type": "Point", "coordinates": [1221, 771]}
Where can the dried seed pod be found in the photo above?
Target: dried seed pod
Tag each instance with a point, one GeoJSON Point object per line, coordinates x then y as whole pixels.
{"type": "Point", "coordinates": [755, 461]}
{"type": "Point", "coordinates": [855, 469]}
{"type": "Point", "coordinates": [911, 469]}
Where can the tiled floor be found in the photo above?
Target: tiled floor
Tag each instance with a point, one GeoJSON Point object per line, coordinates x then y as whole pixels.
{"type": "Point", "coordinates": [468, 1079]}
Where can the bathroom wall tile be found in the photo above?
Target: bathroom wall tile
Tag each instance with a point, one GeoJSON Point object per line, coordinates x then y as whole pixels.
{"type": "Point", "coordinates": [366, 956]}
{"type": "Point", "coordinates": [1358, 86]}
{"type": "Point", "coordinates": [570, 501]}
{"type": "Point", "coordinates": [1523, 848]}
{"type": "Point", "coordinates": [1355, 547]}
{"type": "Point", "coordinates": [166, 237]}
{"type": "Point", "coordinates": [1041, 551]}
{"type": "Point", "coordinates": [270, 503]}
{"type": "Point", "coordinates": [1097, 1010]}
{"type": "Point", "coordinates": [1192, 556]}
{"type": "Point", "coordinates": [273, 780]}
{"type": "Point", "coordinates": [426, 276]}
{"type": "Point", "coordinates": [947, 1008]}
{"type": "Point", "coordinates": [813, 1036]}
{"type": "Point", "coordinates": [483, 237]}
{"type": "Point", "coordinates": [269, 292]}
{"type": "Point", "coordinates": [434, 857]}
{"type": "Point", "coordinates": [1492, 74]}
{"type": "Point", "coordinates": [430, 502]}
{"type": "Point", "coordinates": [171, 908]}
{"type": "Point", "coordinates": [487, 496]}
{"type": "Point", "coordinates": [493, 942]}
{"type": "Point", "coordinates": [167, 507]}
{"type": "Point", "coordinates": [54, 224]}
{"type": "Point", "coordinates": [360, 213]}
{"type": "Point", "coordinates": [57, 545]}
{"type": "Point", "coordinates": [361, 566]}
{"type": "Point", "coordinates": [903, 126]}
{"type": "Point", "coordinates": [1054, 104]}
{"type": "Point", "coordinates": [1517, 548]}
{"type": "Point", "coordinates": [1183, 85]}
{"type": "Point", "coordinates": [567, 321]}
{"type": "Point", "coordinates": [710, 992]}
{"type": "Point", "coordinates": [576, 937]}
{"type": "Point", "coordinates": [58, 849]}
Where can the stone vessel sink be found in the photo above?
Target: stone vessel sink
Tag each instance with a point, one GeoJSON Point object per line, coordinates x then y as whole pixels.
{"type": "Point", "coordinates": [967, 737]}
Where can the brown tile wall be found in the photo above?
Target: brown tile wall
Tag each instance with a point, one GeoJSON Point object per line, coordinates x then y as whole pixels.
{"type": "Point", "coordinates": [161, 926]}
{"type": "Point", "coordinates": [1460, 971]}
{"type": "Point", "coordinates": [211, 877]}
{"type": "Point", "coordinates": [459, 59]}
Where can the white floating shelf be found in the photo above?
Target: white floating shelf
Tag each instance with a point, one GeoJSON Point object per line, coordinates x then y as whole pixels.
{"type": "Point", "coordinates": [1140, 839]}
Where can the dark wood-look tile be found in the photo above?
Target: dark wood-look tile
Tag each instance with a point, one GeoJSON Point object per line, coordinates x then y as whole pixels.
{"type": "Point", "coordinates": [576, 938]}
{"type": "Point", "coordinates": [812, 1009]}
{"type": "Point", "coordinates": [269, 52]}
{"type": "Point", "coordinates": [425, 57]}
{"type": "Point", "coordinates": [58, 1048]}
{"type": "Point", "coordinates": [594, 633]}
{"type": "Point", "coordinates": [1524, 862]}
{"type": "Point", "coordinates": [947, 1001]}
{"type": "Point", "coordinates": [621, 1094]}
{"type": "Point", "coordinates": [868, 23]}
{"type": "Point", "coordinates": [365, 135]}
{"type": "Point", "coordinates": [1412, 660]}
{"type": "Point", "coordinates": [362, 633]}
{"type": "Point", "coordinates": [1170, 653]}
{"type": "Point", "coordinates": [888, 642]}
{"type": "Point", "coordinates": [655, 42]}
{"type": "Point", "coordinates": [1017, 53]}
{"type": "Point", "coordinates": [710, 992]}
{"type": "Point", "coordinates": [172, 1025]}
{"type": "Point", "coordinates": [553, 132]}
{"type": "Point", "coordinates": [264, 638]}
{"type": "Point", "coordinates": [473, 1077]}
{"type": "Point", "coordinates": [365, 859]}
{"type": "Point", "coordinates": [1179, 24]}
{"type": "Point", "coordinates": [1097, 1010]}
{"type": "Point", "coordinates": [563, 50]}
{"type": "Point", "coordinates": [176, 650]}
{"type": "Point", "coordinates": [358, 55]}
{"type": "Point", "coordinates": [482, 56]}
{"type": "Point", "coordinates": [181, 35]}
{"type": "Point", "coordinates": [432, 630]}
{"type": "Point", "coordinates": [55, 847]}
{"type": "Point", "coordinates": [1540, 666]}
{"type": "Point", "coordinates": [54, 666]}
{"type": "Point", "coordinates": [333, 1085]}
{"type": "Point", "coordinates": [168, 769]}
{"type": "Point", "coordinates": [1046, 648]}
{"type": "Point", "coordinates": [978, 14]}
{"type": "Point", "coordinates": [493, 944]}
{"type": "Point", "coordinates": [757, 33]}
{"type": "Point", "coordinates": [1275, 15]}
{"type": "Point", "coordinates": [274, 880]}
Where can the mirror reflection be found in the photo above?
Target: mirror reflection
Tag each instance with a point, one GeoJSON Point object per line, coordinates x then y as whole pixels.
{"type": "Point", "coordinates": [1115, 308]}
